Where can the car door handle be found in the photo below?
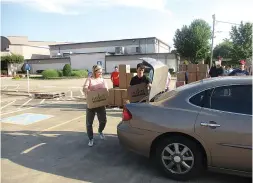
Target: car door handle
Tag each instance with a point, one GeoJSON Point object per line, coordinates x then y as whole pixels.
{"type": "Point", "coordinates": [212, 125]}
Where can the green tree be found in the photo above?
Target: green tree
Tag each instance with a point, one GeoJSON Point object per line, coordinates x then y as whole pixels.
{"type": "Point", "coordinates": [173, 51]}
{"type": "Point", "coordinates": [241, 38]}
{"type": "Point", "coordinates": [193, 42]}
{"type": "Point", "coordinates": [223, 49]}
{"type": "Point", "coordinates": [13, 58]}
{"type": "Point", "coordinates": [67, 71]}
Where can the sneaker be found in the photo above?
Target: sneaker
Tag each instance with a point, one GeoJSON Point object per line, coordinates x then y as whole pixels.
{"type": "Point", "coordinates": [102, 136]}
{"type": "Point", "coordinates": [91, 142]}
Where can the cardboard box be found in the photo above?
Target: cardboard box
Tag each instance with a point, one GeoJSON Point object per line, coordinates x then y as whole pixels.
{"type": "Point", "coordinates": [182, 67]}
{"type": "Point", "coordinates": [180, 83]}
{"type": "Point", "coordinates": [129, 77]}
{"type": "Point", "coordinates": [124, 68]}
{"type": "Point", "coordinates": [137, 92]}
{"type": "Point", "coordinates": [181, 76]}
{"type": "Point", "coordinates": [203, 68]}
{"type": "Point", "coordinates": [118, 97]}
{"type": "Point", "coordinates": [97, 98]}
{"type": "Point", "coordinates": [124, 93]}
{"type": "Point", "coordinates": [192, 67]}
{"type": "Point", "coordinates": [111, 96]}
{"type": "Point", "coordinates": [201, 75]}
{"type": "Point", "coordinates": [123, 80]}
{"type": "Point", "coordinates": [192, 77]}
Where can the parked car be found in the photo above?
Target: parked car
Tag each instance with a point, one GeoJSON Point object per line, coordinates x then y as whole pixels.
{"type": "Point", "coordinates": [203, 125]}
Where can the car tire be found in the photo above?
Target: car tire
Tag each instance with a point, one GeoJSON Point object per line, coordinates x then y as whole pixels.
{"type": "Point", "coordinates": [169, 164]}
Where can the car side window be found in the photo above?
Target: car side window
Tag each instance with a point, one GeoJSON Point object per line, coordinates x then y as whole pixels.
{"type": "Point", "coordinates": [235, 98]}
{"type": "Point", "coordinates": [198, 99]}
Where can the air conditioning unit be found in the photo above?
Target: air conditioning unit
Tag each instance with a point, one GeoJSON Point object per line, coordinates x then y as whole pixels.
{"type": "Point", "coordinates": [119, 50]}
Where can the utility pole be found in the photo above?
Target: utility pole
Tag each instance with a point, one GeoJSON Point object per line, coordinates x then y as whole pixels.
{"type": "Point", "coordinates": [211, 58]}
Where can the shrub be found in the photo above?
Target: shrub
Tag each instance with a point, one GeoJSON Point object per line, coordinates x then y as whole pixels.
{"type": "Point", "coordinates": [60, 73]}
{"type": "Point", "coordinates": [80, 73]}
{"type": "Point", "coordinates": [67, 70]}
{"type": "Point", "coordinates": [16, 77]}
{"type": "Point", "coordinates": [50, 73]}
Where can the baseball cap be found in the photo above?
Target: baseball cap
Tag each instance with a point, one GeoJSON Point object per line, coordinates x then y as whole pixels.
{"type": "Point", "coordinates": [242, 62]}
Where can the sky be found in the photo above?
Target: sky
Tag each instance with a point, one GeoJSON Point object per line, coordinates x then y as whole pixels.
{"type": "Point", "coordinates": [98, 20]}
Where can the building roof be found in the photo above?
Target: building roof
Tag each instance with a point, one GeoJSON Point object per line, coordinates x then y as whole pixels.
{"type": "Point", "coordinates": [107, 41]}
{"type": "Point", "coordinates": [141, 54]}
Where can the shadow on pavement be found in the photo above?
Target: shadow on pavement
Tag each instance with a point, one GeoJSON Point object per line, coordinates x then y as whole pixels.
{"type": "Point", "coordinates": [64, 106]}
{"type": "Point", "coordinates": [69, 107]}
{"type": "Point", "coordinates": [66, 153]}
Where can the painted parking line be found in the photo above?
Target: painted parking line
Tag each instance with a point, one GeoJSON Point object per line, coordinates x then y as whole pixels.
{"type": "Point", "coordinates": [32, 148]}
{"type": "Point", "coordinates": [82, 92]}
{"type": "Point", "coordinates": [42, 101]}
{"type": "Point", "coordinates": [52, 127]}
{"type": "Point", "coordinates": [8, 104]}
{"type": "Point", "coordinates": [25, 103]}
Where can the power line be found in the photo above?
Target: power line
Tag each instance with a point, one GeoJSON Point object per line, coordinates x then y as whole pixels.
{"type": "Point", "coordinates": [211, 58]}
{"type": "Point", "coordinates": [213, 32]}
{"type": "Point", "coordinates": [227, 22]}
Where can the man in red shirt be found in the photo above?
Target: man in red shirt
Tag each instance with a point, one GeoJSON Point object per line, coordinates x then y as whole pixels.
{"type": "Point", "coordinates": [115, 77]}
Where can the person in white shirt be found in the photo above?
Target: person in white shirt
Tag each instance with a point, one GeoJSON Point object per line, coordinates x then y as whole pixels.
{"type": "Point", "coordinates": [167, 87]}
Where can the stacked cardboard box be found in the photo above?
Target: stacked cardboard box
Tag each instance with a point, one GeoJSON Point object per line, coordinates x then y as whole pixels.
{"type": "Point", "coordinates": [181, 75]}
{"type": "Point", "coordinates": [124, 71]}
{"type": "Point", "coordinates": [180, 78]}
{"type": "Point", "coordinates": [202, 71]}
{"type": "Point", "coordinates": [182, 67]}
{"type": "Point", "coordinates": [111, 97]}
{"type": "Point", "coordinates": [192, 72]}
{"type": "Point", "coordinates": [195, 72]}
{"type": "Point", "coordinates": [119, 96]}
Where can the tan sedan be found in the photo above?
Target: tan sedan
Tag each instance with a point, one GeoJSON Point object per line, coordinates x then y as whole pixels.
{"type": "Point", "coordinates": [202, 125]}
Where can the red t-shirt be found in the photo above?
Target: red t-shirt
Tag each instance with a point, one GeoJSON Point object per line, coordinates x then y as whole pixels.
{"type": "Point", "coordinates": [115, 78]}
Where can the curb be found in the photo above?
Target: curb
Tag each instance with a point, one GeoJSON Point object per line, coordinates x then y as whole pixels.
{"type": "Point", "coordinates": [16, 94]}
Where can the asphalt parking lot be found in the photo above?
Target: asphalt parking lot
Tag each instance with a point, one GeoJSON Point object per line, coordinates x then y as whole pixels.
{"type": "Point", "coordinates": [46, 141]}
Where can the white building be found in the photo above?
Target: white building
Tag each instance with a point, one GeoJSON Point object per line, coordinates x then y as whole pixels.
{"type": "Point", "coordinates": [107, 53]}
{"type": "Point", "coordinates": [21, 45]}
{"type": "Point", "coordinates": [124, 46]}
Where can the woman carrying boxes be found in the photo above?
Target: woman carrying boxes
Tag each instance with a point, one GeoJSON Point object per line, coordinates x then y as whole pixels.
{"type": "Point", "coordinates": [95, 83]}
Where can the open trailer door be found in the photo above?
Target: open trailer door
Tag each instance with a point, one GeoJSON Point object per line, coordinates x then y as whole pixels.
{"type": "Point", "coordinates": [158, 76]}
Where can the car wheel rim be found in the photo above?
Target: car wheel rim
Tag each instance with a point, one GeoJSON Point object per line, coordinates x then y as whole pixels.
{"type": "Point", "coordinates": [177, 158]}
